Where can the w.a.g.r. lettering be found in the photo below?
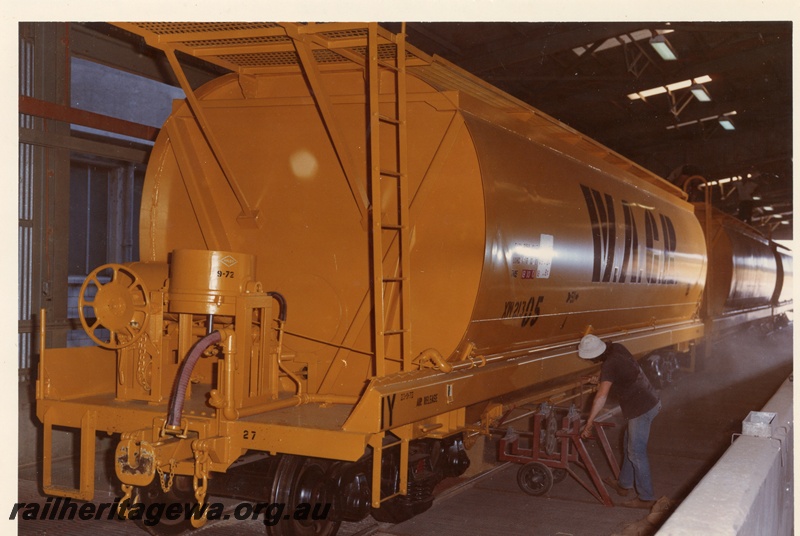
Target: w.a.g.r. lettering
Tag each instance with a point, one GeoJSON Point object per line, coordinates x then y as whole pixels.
{"type": "Point", "coordinates": [648, 259]}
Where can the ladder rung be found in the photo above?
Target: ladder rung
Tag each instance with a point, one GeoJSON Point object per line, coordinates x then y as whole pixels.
{"type": "Point", "coordinates": [392, 227]}
{"type": "Point", "coordinates": [395, 332]}
{"type": "Point", "coordinates": [387, 119]}
{"type": "Point", "coordinates": [388, 65]}
{"type": "Point", "coordinates": [393, 279]}
{"type": "Point", "coordinates": [389, 173]}
{"type": "Point", "coordinates": [392, 496]}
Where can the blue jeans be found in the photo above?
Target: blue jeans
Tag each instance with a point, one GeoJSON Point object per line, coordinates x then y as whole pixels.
{"type": "Point", "coordinates": [635, 465]}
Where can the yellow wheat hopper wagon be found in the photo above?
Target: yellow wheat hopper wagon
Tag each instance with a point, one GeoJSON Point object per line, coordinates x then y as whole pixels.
{"type": "Point", "coordinates": [349, 250]}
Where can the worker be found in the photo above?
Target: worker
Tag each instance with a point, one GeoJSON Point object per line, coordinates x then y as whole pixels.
{"type": "Point", "coordinates": [622, 375]}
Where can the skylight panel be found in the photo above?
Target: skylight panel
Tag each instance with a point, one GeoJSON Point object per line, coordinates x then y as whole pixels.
{"type": "Point", "coordinates": [683, 84]}
{"type": "Point", "coordinates": [624, 39]}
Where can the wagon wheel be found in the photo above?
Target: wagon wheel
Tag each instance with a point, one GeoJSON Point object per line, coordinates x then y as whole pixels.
{"type": "Point", "coordinates": [308, 495]}
{"type": "Point", "coordinates": [535, 478]}
{"type": "Point", "coordinates": [121, 305]}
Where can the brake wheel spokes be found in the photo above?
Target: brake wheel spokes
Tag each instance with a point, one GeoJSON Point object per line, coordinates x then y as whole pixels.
{"type": "Point", "coordinates": [113, 305]}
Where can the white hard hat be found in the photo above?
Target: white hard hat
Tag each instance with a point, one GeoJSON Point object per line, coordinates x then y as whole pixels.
{"type": "Point", "coordinates": [591, 347]}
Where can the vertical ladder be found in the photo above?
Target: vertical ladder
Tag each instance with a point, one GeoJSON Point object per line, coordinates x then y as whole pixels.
{"type": "Point", "coordinates": [390, 224]}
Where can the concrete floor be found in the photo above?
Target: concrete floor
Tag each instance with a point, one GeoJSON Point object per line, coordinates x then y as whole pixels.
{"type": "Point", "coordinates": [701, 411]}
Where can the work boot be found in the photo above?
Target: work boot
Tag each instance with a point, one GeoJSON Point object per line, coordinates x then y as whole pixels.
{"type": "Point", "coordinates": [638, 503]}
{"type": "Point", "coordinates": [614, 484]}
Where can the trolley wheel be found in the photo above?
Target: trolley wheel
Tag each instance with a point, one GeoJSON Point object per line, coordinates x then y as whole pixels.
{"type": "Point", "coordinates": [535, 478]}
{"type": "Point", "coordinates": [559, 475]}
{"type": "Point", "coordinates": [119, 306]}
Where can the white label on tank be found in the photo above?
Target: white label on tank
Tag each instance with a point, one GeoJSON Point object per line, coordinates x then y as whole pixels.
{"type": "Point", "coordinates": [545, 256]}
{"type": "Point", "coordinates": [532, 261]}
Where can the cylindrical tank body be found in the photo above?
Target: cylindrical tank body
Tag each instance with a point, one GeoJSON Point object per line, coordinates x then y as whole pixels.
{"type": "Point", "coordinates": [745, 268]}
{"type": "Point", "coordinates": [520, 237]}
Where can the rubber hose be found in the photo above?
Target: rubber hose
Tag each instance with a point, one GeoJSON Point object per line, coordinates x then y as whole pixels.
{"type": "Point", "coordinates": [178, 396]}
{"type": "Point", "coordinates": [282, 301]}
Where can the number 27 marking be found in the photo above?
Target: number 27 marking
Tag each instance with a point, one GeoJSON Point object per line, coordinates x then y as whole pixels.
{"type": "Point", "coordinates": [249, 434]}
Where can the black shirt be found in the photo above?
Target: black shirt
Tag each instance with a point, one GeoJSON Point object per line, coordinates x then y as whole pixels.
{"type": "Point", "coordinates": [628, 383]}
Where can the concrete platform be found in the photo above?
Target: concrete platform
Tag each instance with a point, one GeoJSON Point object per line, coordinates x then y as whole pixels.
{"type": "Point", "coordinates": [701, 411]}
